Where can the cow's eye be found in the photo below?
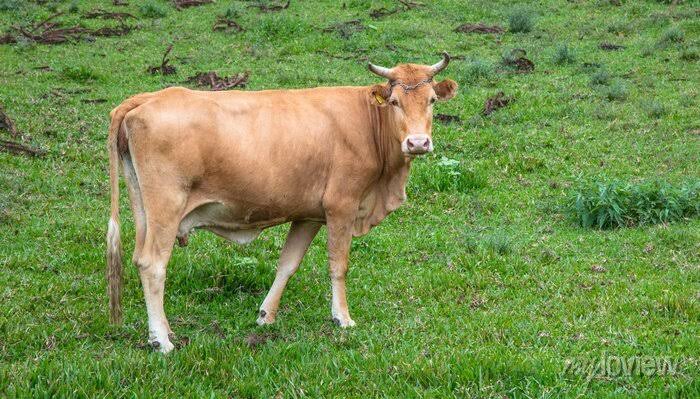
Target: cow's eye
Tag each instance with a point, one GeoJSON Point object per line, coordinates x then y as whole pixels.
{"type": "Point", "coordinates": [394, 102]}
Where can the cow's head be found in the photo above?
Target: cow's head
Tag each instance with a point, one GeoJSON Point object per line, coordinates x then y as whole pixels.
{"type": "Point", "coordinates": [410, 94]}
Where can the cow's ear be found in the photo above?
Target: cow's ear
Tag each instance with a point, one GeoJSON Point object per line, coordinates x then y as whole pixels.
{"type": "Point", "coordinates": [379, 95]}
{"type": "Point", "coordinates": [445, 89]}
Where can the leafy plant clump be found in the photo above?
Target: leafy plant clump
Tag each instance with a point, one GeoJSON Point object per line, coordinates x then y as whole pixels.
{"type": "Point", "coordinates": [521, 21]}
{"type": "Point", "coordinates": [478, 69]}
{"type": "Point", "coordinates": [617, 91]}
{"type": "Point", "coordinates": [655, 109]}
{"type": "Point", "coordinates": [673, 34]}
{"type": "Point", "coordinates": [152, 10]}
{"type": "Point", "coordinates": [563, 55]}
{"type": "Point", "coordinates": [616, 204]}
{"type": "Point", "coordinates": [446, 175]}
{"type": "Point", "coordinates": [601, 77]}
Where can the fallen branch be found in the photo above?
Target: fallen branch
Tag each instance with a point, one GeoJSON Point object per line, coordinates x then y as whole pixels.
{"type": "Point", "coordinates": [216, 82]}
{"type": "Point", "coordinates": [7, 124]}
{"type": "Point", "coordinates": [180, 4]}
{"type": "Point", "coordinates": [20, 149]}
{"type": "Point", "coordinates": [227, 25]}
{"type": "Point", "coordinates": [479, 28]}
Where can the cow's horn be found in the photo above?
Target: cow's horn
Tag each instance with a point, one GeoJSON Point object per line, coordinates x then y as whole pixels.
{"type": "Point", "coordinates": [380, 70]}
{"type": "Point", "coordinates": [442, 64]}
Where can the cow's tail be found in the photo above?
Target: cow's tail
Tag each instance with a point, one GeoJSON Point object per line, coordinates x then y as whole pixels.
{"type": "Point", "coordinates": [114, 250]}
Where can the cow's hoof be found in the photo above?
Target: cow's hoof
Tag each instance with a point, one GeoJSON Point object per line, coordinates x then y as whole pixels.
{"type": "Point", "coordinates": [164, 347]}
{"type": "Point", "coordinates": [265, 318]}
{"type": "Point", "coordinates": [343, 322]}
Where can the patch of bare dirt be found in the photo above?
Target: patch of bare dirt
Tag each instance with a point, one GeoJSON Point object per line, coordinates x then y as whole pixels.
{"type": "Point", "coordinates": [180, 4]}
{"type": "Point", "coordinates": [410, 4]}
{"type": "Point", "coordinates": [254, 340]}
{"type": "Point", "coordinates": [479, 28]}
{"type": "Point", "coordinates": [103, 14]}
{"type": "Point", "coordinates": [610, 46]}
{"type": "Point", "coordinates": [496, 102]}
{"type": "Point", "coordinates": [271, 7]}
{"type": "Point", "coordinates": [47, 32]}
{"type": "Point", "coordinates": [517, 59]}
{"type": "Point", "coordinates": [444, 118]}
{"type": "Point", "coordinates": [382, 12]}
{"type": "Point", "coordinates": [215, 82]}
{"type": "Point", "coordinates": [346, 29]}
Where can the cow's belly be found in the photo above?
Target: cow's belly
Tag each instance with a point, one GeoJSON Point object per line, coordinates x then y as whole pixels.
{"type": "Point", "coordinates": [234, 222]}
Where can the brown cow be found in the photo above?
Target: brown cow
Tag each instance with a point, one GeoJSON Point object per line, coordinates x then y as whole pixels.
{"type": "Point", "coordinates": [237, 162]}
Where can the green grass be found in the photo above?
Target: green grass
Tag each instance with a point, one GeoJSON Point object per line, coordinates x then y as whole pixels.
{"type": "Point", "coordinates": [618, 204]}
{"type": "Point", "coordinates": [481, 285]}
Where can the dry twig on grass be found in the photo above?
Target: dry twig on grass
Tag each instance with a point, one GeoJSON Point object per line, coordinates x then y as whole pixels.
{"type": "Point", "coordinates": [271, 8]}
{"type": "Point", "coordinates": [479, 28]}
{"type": "Point", "coordinates": [164, 68]}
{"type": "Point", "coordinates": [217, 83]}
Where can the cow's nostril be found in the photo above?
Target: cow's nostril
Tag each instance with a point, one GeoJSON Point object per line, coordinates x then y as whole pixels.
{"type": "Point", "coordinates": [410, 143]}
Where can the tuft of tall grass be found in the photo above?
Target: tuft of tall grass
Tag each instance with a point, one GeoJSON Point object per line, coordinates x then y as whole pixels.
{"type": "Point", "coordinates": [616, 204]}
{"type": "Point", "coordinates": [601, 77]}
{"type": "Point", "coordinates": [234, 11]}
{"type": "Point", "coordinates": [498, 243]}
{"type": "Point", "coordinates": [690, 54]}
{"type": "Point", "coordinates": [478, 69]}
{"type": "Point", "coordinates": [152, 10]}
{"type": "Point", "coordinates": [80, 74]}
{"type": "Point", "coordinates": [521, 20]}
{"type": "Point", "coordinates": [655, 109]}
{"type": "Point", "coordinates": [617, 91]}
{"type": "Point", "coordinates": [673, 34]}
{"type": "Point", "coordinates": [563, 55]}
{"type": "Point", "coordinates": [445, 175]}
{"type": "Point", "coordinates": [9, 5]}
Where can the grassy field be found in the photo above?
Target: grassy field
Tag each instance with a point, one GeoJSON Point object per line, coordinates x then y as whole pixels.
{"type": "Point", "coordinates": [482, 285]}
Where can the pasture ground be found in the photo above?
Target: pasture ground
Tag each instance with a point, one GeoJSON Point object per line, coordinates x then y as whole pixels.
{"type": "Point", "coordinates": [481, 285]}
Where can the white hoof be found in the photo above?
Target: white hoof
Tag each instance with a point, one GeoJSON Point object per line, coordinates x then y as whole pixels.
{"type": "Point", "coordinates": [163, 347]}
{"type": "Point", "coordinates": [343, 322]}
{"type": "Point", "coordinates": [264, 318]}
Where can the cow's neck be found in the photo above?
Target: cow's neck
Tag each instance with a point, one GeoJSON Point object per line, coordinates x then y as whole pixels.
{"type": "Point", "coordinates": [389, 190]}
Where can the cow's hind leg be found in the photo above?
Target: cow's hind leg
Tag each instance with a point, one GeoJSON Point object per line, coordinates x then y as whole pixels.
{"type": "Point", "coordinates": [161, 229]}
{"type": "Point", "coordinates": [136, 201]}
{"type": "Point", "coordinates": [298, 240]}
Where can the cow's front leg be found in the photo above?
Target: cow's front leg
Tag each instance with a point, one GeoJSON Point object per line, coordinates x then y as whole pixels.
{"type": "Point", "coordinates": [339, 238]}
{"type": "Point", "coordinates": [298, 240]}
